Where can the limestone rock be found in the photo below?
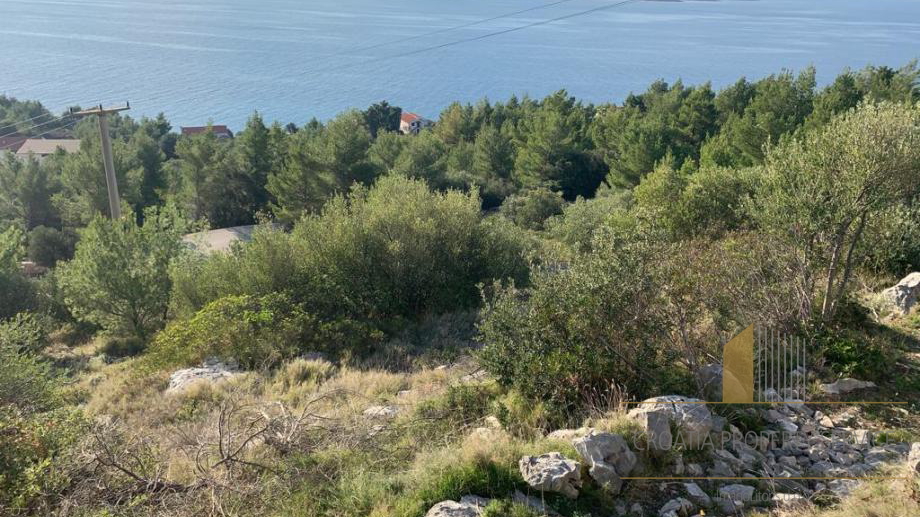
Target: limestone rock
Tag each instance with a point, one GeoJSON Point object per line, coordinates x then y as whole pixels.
{"type": "Point", "coordinates": [552, 472]}
{"type": "Point", "coordinates": [567, 435]}
{"type": "Point", "coordinates": [710, 377]}
{"type": "Point", "coordinates": [469, 506]}
{"type": "Point", "coordinates": [842, 487]}
{"type": "Point", "coordinates": [844, 386]}
{"type": "Point", "coordinates": [679, 507]}
{"type": "Point", "coordinates": [695, 470]}
{"type": "Point", "coordinates": [381, 412]}
{"type": "Point", "coordinates": [789, 499]}
{"type": "Point", "coordinates": [212, 370]}
{"type": "Point", "coordinates": [720, 469]}
{"type": "Point", "coordinates": [692, 418]}
{"type": "Point", "coordinates": [657, 429]}
{"type": "Point", "coordinates": [862, 438]}
{"type": "Point", "coordinates": [913, 458]}
{"type": "Point", "coordinates": [737, 492]}
{"type": "Point", "coordinates": [697, 495]}
{"type": "Point", "coordinates": [608, 456]}
{"type": "Point", "coordinates": [903, 295]}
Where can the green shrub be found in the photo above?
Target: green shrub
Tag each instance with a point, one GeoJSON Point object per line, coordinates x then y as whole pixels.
{"type": "Point", "coordinates": [579, 329]}
{"type": "Point", "coordinates": [708, 201]}
{"type": "Point", "coordinates": [118, 278]}
{"type": "Point", "coordinates": [895, 240]}
{"type": "Point", "coordinates": [33, 450]}
{"type": "Point", "coordinates": [444, 418]}
{"type": "Point", "coordinates": [266, 264]}
{"type": "Point", "coordinates": [579, 220]}
{"type": "Point", "coordinates": [17, 293]}
{"type": "Point", "coordinates": [380, 256]}
{"type": "Point", "coordinates": [519, 415]}
{"type": "Point", "coordinates": [483, 478]}
{"type": "Point", "coordinates": [47, 245]}
{"type": "Point", "coordinates": [118, 347]}
{"type": "Point", "coordinates": [24, 332]}
{"type": "Point", "coordinates": [401, 250]}
{"type": "Point", "coordinates": [530, 209]}
{"type": "Point", "coordinates": [857, 355]}
{"type": "Point", "coordinates": [255, 331]}
{"type": "Point", "coordinates": [508, 509]}
{"type": "Point", "coordinates": [25, 380]}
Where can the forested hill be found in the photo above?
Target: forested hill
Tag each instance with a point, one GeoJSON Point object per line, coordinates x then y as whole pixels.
{"type": "Point", "coordinates": [521, 147]}
{"type": "Point", "coordinates": [441, 321]}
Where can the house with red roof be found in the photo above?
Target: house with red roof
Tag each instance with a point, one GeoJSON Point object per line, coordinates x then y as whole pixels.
{"type": "Point", "coordinates": [411, 124]}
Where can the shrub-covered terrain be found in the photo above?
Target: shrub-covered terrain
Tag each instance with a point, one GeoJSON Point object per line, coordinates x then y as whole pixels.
{"type": "Point", "coordinates": [414, 314]}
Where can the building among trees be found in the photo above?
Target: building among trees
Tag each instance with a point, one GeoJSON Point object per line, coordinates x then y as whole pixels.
{"type": "Point", "coordinates": [410, 123]}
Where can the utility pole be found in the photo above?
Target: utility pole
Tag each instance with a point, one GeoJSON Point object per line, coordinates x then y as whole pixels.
{"type": "Point", "coordinates": [110, 181]}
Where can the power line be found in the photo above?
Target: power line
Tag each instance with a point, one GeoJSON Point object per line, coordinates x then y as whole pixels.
{"type": "Point", "coordinates": [27, 120]}
{"type": "Point", "coordinates": [476, 38]}
{"type": "Point", "coordinates": [444, 30]}
{"type": "Point", "coordinates": [514, 29]}
{"type": "Point", "coordinates": [55, 119]}
{"type": "Point", "coordinates": [72, 122]}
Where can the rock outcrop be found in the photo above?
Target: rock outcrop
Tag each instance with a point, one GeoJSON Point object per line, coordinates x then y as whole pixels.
{"type": "Point", "coordinates": [678, 507]}
{"type": "Point", "coordinates": [468, 506]}
{"type": "Point", "coordinates": [903, 295]}
{"type": "Point", "coordinates": [381, 412]}
{"type": "Point", "coordinates": [552, 472]}
{"type": "Point", "coordinates": [608, 457]}
{"type": "Point", "coordinates": [692, 419]}
{"type": "Point", "coordinates": [913, 458]}
{"type": "Point", "coordinates": [844, 386]}
{"type": "Point", "coordinates": [211, 370]}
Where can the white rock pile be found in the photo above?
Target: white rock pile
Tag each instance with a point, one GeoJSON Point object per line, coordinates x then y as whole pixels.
{"type": "Point", "coordinates": [211, 370]}
{"type": "Point", "coordinates": [798, 443]}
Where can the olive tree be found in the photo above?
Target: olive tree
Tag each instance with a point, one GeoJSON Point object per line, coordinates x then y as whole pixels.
{"type": "Point", "coordinates": [820, 191]}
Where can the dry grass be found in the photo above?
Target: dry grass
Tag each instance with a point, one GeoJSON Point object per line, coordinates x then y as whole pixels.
{"type": "Point", "coordinates": [874, 498]}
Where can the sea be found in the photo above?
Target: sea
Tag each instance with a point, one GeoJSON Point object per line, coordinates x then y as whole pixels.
{"type": "Point", "coordinates": [201, 61]}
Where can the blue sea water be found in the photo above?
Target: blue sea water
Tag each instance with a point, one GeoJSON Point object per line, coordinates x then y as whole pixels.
{"type": "Point", "coordinates": [218, 60]}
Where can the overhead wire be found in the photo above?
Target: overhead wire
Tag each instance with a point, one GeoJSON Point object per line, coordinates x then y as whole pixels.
{"type": "Point", "coordinates": [445, 30]}
{"type": "Point", "coordinates": [25, 121]}
{"type": "Point", "coordinates": [55, 119]}
{"type": "Point", "coordinates": [65, 126]}
{"type": "Point", "coordinates": [480, 37]}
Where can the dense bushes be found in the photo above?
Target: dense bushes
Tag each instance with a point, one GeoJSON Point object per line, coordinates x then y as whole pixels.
{"type": "Point", "coordinates": [578, 329]}
{"type": "Point", "coordinates": [690, 203]}
{"type": "Point", "coordinates": [49, 245]}
{"type": "Point", "coordinates": [25, 380]}
{"type": "Point", "coordinates": [34, 430]}
{"type": "Point", "coordinates": [394, 251]}
{"type": "Point", "coordinates": [254, 331]}
{"type": "Point", "coordinates": [33, 447]}
{"type": "Point", "coordinates": [119, 278]}
{"type": "Point", "coordinates": [266, 264]}
{"type": "Point", "coordinates": [531, 208]}
{"type": "Point", "coordinates": [400, 250]}
{"type": "Point", "coordinates": [16, 292]}
{"type": "Point", "coordinates": [24, 332]}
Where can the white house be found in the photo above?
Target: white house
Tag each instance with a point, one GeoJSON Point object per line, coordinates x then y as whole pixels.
{"type": "Point", "coordinates": [410, 123]}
